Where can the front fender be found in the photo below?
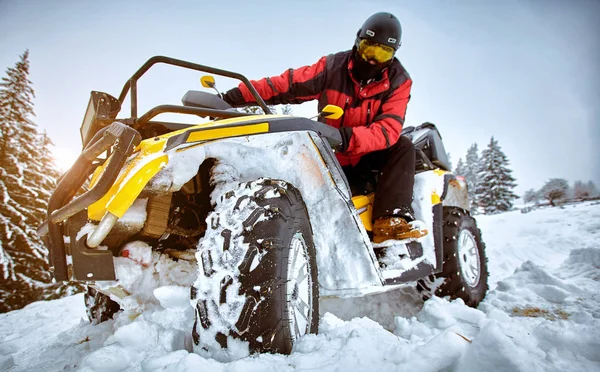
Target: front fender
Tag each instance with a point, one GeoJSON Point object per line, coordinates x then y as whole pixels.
{"type": "Point", "coordinates": [346, 262]}
{"type": "Point", "coordinates": [455, 193]}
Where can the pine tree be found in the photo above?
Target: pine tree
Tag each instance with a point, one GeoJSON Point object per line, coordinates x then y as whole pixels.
{"type": "Point", "coordinates": [27, 178]}
{"type": "Point", "coordinates": [471, 174]}
{"type": "Point", "coordinates": [496, 182]}
{"type": "Point", "coordinates": [449, 161]}
{"type": "Point", "coordinates": [44, 177]}
{"type": "Point", "coordinates": [460, 168]}
{"type": "Point", "coordinates": [41, 174]}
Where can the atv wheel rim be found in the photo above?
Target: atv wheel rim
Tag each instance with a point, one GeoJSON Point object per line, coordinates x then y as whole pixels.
{"type": "Point", "coordinates": [468, 257]}
{"type": "Point", "coordinates": [299, 288]}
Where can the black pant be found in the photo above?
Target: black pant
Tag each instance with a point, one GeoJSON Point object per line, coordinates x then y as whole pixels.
{"type": "Point", "coordinates": [393, 170]}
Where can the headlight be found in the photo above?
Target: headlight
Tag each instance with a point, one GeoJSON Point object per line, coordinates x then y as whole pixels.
{"type": "Point", "coordinates": [101, 111]}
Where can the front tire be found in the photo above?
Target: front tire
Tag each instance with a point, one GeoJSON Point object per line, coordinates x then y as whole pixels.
{"type": "Point", "coordinates": [465, 272]}
{"type": "Point", "coordinates": [258, 272]}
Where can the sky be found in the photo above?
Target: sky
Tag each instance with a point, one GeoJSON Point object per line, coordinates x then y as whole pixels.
{"type": "Point", "coordinates": [524, 72]}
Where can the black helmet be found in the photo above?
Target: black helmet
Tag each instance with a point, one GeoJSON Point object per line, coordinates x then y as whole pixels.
{"type": "Point", "coordinates": [383, 28]}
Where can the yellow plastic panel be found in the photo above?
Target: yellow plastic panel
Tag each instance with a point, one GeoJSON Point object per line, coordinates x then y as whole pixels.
{"type": "Point", "coordinates": [364, 205]}
{"type": "Point", "coordinates": [126, 189]}
{"type": "Point", "coordinates": [96, 176]}
{"type": "Point", "coordinates": [219, 123]}
{"type": "Point", "coordinates": [435, 198]}
{"type": "Point", "coordinates": [134, 185]}
{"type": "Point", "coordinates": [215, 133]}
{"type": "Point", "coordinates": [147, 147]}
{"type": "Point", "coordinates": [151, 145]}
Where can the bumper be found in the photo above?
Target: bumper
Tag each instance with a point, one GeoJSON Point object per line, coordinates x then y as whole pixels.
{"type": "Point", "coordinates": [120, 140]}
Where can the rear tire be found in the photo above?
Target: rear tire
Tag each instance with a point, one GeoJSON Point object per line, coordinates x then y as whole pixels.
{"type": "Point", "coordinates": [258, 272]}
{"type": "Point", "coordinates": [465, 272]}
{"type": "Point", "coordinates": [98, 306]}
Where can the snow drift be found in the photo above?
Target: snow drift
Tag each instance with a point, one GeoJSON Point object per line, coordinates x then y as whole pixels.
{"type": "Point", "coordinates": [541, 314]}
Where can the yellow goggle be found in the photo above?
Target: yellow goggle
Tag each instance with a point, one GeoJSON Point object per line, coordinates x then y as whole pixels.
{"type": "Point", "coordinates": [370, 50]}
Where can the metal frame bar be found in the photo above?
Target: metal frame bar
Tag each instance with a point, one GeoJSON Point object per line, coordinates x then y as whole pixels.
{"type": "Point", "coordinates": [176, 109]}
{"type": "Point", "coordinates": [131, 85]}
{"type": "Point", "coordinates": [124, 139]}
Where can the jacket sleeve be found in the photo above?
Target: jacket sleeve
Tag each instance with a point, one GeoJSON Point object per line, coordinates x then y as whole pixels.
{"type": "Point", "coordinates": [386, 127]}
{"type": "Point", "coordinates": [293, 86]}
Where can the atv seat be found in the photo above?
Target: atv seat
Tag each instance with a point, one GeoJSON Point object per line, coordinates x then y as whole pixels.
{"type": "Point", "coordinates": [430, 148]}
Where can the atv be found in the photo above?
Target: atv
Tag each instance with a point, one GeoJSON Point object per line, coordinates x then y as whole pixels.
{"type": "Point", "coordinates": [252, 212]}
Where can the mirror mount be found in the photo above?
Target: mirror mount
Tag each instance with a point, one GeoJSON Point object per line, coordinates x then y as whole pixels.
{"type": "Point", "coordinates": [208, 81]}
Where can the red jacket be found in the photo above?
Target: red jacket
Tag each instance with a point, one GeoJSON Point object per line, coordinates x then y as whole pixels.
{"type": "Point", "coordinates": [375, 112]}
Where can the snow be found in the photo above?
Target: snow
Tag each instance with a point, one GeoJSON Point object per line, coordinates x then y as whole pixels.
{"type": "Point", "coordinates": [542, 313]}
{"type": "Point", "coordinates": [147, 279]}
{"type": "Point", "coordinates": [135, 216]}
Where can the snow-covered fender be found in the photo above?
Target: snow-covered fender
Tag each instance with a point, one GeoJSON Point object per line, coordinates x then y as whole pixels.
{"type": "Point", "coordinates": [434, 190]}
{"type": "Point", "coordinates": [346, 262]}
{"type": "Point", "coordinates": [427, 205]}
{"type": "Point", "coordinates": [455, 192]}
{"type": "Point", "coordinates": [253, 148]}
{"type": "Point", "coordinates": [444, 187]}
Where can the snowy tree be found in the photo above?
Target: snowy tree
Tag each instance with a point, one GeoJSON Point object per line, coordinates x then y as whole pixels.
{"type": "Point", "coordinates": [449, 161]}
{"type": "Point", "coordinates": [580, 190]}
{"type": "Point", "coordinates": [287, 109]}
{"type": "Point", "coordinates": [495, 180]}
{"type": "Point", "coordinates": [460, 169]}
{"type": "Point", "coordinates": [532, 196]}
{"type": "Point", "coordinates": [41, 175]}
{"type": "Point", "coordinates": [258, 109]}
{"type": "Point", "coordinates": [252, 110]}
{"type": "Point", "coordinates": [21, 254]}
{"type": "Point", "coordinates": [584, 189]}
{"type": "Point", "coordinates": [471, 174]}
{"type": "Point", "coordinates": [555, 189]}
{"type": "Point", "coordinates": [591, 186]}
{"type": "Point", "coordinates": [27, 178]}
{"type": "Point", "coordinates": [44, 176]}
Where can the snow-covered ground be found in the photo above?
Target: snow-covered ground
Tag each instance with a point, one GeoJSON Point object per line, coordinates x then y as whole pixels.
{"type": "Point", "coordinates": [542, 313]}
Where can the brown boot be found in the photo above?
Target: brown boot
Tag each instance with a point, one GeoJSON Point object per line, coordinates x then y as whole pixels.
{"type": "Point", "coordinates": [396, 228]}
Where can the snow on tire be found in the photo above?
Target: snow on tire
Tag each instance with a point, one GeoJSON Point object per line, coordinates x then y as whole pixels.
{"type": "Point", "coordinates": [257, 290]}
{"type": "Point", "coordinates": [465, 272]}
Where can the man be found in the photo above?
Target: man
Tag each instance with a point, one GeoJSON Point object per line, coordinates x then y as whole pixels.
{"type": "Point", "coordinates": [373, 88]}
